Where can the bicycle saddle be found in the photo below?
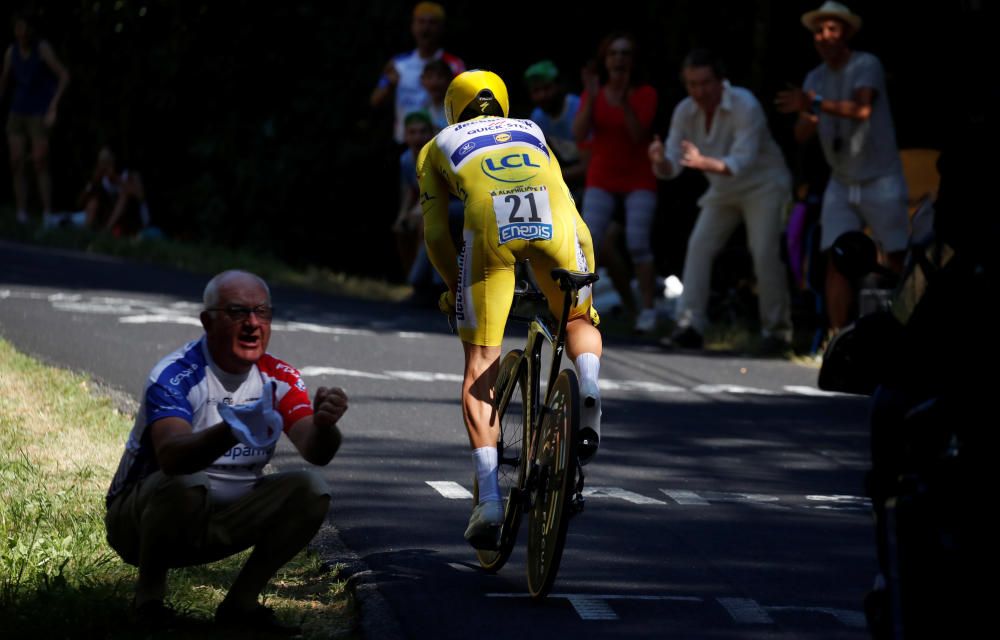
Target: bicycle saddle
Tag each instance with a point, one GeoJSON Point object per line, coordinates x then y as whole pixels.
{"type": "Point", "coordinates": [573, 280]}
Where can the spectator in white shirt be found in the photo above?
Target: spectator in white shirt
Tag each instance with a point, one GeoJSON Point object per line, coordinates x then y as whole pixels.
{"type": "Point", "coordinates": [721, 130]}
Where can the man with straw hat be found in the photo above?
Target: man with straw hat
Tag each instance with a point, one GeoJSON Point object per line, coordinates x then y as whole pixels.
{"type": "Point", "coordinates": [844, 101]}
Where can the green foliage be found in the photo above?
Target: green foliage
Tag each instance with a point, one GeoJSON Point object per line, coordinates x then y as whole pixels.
{"type": "Point", "coordinates": [204, 258]}
{"type": "Point", "coordinates": [247, 122]}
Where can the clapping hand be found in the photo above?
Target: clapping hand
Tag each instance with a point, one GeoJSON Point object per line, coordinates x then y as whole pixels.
{"type": "Point", "coordinates": [691, 156]}
{"type": "Point", "coordinates": [793, 100]}
{"type": "Point", "coordinates": [256, 424]}
{"type": "Point", "coordinates": [329, 406]}
{"type": "Point", "coordinates": [391, 73]}
{"type": "Point", "coordinates": [655, 150]}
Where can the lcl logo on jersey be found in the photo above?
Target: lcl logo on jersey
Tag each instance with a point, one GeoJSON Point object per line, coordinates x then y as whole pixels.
{"type": "Point", "coordinates": [512, 167]}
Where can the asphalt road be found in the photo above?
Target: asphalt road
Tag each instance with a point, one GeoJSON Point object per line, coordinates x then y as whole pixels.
{"type": "Point", "coordinates": [725, 503]}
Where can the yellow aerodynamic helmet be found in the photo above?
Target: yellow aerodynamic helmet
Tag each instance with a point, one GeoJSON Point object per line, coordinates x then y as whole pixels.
{"type": "Point", "coordinates": [475, 93]}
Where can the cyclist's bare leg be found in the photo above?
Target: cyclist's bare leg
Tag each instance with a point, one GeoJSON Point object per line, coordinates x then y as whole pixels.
{"type": "Point", "coordinates": [583, 337]}
{"type": "Point", "coordinates": [481, 367]}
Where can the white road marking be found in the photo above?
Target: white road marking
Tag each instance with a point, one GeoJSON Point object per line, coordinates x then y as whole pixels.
{"type": "Point", "coordinates": [638, 385]}
{"type": "Point", "coordinates": [336, 371]}
{"type": "Point", "coordinates": [87, 307]}
{"type": "Point", "coordinates": [840, 499]}
{"type": "Point", "coordinates": [590, 608]}
{"type": "Point", "coordinates": [841, 503]}
{"type": "Point", "coordinates": [25, 295]}
{"type": "Point", "coordinates": [684, 496]}
{"type": "Point", "coordinates": [745, 611]}
{"type": "Point", "coordinates": [151, 318]}
{"type": "Point", "coordinates": [724, 496]}
{"type": "Point", "coordinates": [620, 494]}
{"type": "Point", "coordinates": [812, 391]}
{"type": "Point", "coordinates": [425, 376]}
{"type": "Point", "coordinates": [321, 328]}
{"type": "Point", "coordinates": [458, 566]}
{"type": "Point", "coordinates": [715, 389]}
{"type": "Point", "coordinates": [605, 384]}
{"type": "Point", "coordinates": [601, 596]}
{"type": "Point", "coordinates": [742, 610]}
{"type": "Point", "coordinates": [681, 496]}
{"type": "Point", "coordinates": [455, 491]}
{"type": "Point", "coordinates": [450, 490]}
{"type": "Point", "coordinates": [847, 618]}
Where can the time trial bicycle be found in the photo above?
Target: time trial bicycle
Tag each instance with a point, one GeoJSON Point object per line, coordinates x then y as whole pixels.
{"type": "Point", "coordinates": [539, 471]}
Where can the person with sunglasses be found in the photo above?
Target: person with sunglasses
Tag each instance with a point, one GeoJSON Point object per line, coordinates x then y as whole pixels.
{"type": "Point", "coordinates": [190, 488]}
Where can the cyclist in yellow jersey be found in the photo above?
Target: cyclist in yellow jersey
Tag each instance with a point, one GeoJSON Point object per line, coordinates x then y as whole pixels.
{"type": "Point", "coordinates": [516, 206]}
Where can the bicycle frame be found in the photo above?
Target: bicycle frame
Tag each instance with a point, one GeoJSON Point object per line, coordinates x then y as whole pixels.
{"type": "Point", "coordinates": [541, 461]}
{"type": "Point", "coordinates": [538, 335]}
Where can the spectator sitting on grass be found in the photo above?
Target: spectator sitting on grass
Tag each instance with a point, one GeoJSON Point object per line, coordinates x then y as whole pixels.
{"type": "Point", "coordinates": [114, 200]}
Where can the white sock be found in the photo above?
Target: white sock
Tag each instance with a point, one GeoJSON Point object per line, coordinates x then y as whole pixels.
{"type": "Point", "coordinates": [588, 367]}
{"type": "Point", "coordinates": [486, 472]}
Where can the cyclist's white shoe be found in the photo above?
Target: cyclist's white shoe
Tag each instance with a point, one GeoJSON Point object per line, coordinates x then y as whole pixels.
{"type": "Point", "coordinates": [487, 516]}
{"type": "Point", "coordinates": [590, 421]}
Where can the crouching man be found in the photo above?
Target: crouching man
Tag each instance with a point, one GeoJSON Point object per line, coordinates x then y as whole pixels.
{"type": "Point", "coordinates": [190, 487]}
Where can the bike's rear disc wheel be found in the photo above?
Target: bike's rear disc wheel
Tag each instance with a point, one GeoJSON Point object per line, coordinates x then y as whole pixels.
{"type": "Point", "coordinates": [549, 515]}
{"type": "Point", "coordinates": [512, 418]}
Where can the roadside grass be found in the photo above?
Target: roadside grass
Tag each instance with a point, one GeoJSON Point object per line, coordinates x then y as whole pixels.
{"type": "Point", "coordinates": [204, 259]}
{"type": "Point", "coordinates": [58, 577]}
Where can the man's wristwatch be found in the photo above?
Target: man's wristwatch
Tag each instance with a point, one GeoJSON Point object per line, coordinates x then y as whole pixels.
{"type": "Point", "coordinates": [816, 105]}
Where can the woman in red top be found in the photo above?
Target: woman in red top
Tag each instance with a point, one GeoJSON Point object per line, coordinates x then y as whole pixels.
{"type": "Point", "coordinates": [617, 117]}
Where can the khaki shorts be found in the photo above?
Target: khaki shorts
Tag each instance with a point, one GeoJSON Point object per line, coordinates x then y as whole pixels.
{"type": "Point", "coordinates": [158, 516]}
{"type": "Point", "coordinates": [879, 204]}
{"type": "Point", "coordinates": [19, 124]}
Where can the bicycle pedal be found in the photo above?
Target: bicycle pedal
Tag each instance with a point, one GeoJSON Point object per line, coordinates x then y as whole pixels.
{"type": "Point", "coordinates": [516, 495]}
{"type": "Point", "coordinates": [487, 541]}
{"type": "Point", "coordinates": [576, 505]}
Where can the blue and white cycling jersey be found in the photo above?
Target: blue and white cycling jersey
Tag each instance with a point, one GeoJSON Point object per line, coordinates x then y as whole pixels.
{"type": "Point", "coordinates": [188, 385]}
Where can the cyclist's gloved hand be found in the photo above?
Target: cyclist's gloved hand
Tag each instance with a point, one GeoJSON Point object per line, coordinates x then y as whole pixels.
{"type": "Point", "coordinates": [256, 424]}
{"type": "Point", "coordinates": [446, 303]}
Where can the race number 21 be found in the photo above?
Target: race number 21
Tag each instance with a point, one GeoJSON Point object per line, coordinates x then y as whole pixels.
{"type": "Point", "coordinates": [523, 216]}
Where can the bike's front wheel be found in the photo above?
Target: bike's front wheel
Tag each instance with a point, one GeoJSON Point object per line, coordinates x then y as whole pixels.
{"type": "Point", "coordinates": [553, 491]}
{"type": "Point", "coordinates": [512, 402]}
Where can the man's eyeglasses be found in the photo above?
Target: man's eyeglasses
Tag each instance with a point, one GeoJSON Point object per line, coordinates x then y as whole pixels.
{"type": "Point", "coordinates": [239, 313]}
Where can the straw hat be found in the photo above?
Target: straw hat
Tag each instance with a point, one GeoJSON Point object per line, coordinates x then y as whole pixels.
{"type": "Point", "coordinates": [831, 9]}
